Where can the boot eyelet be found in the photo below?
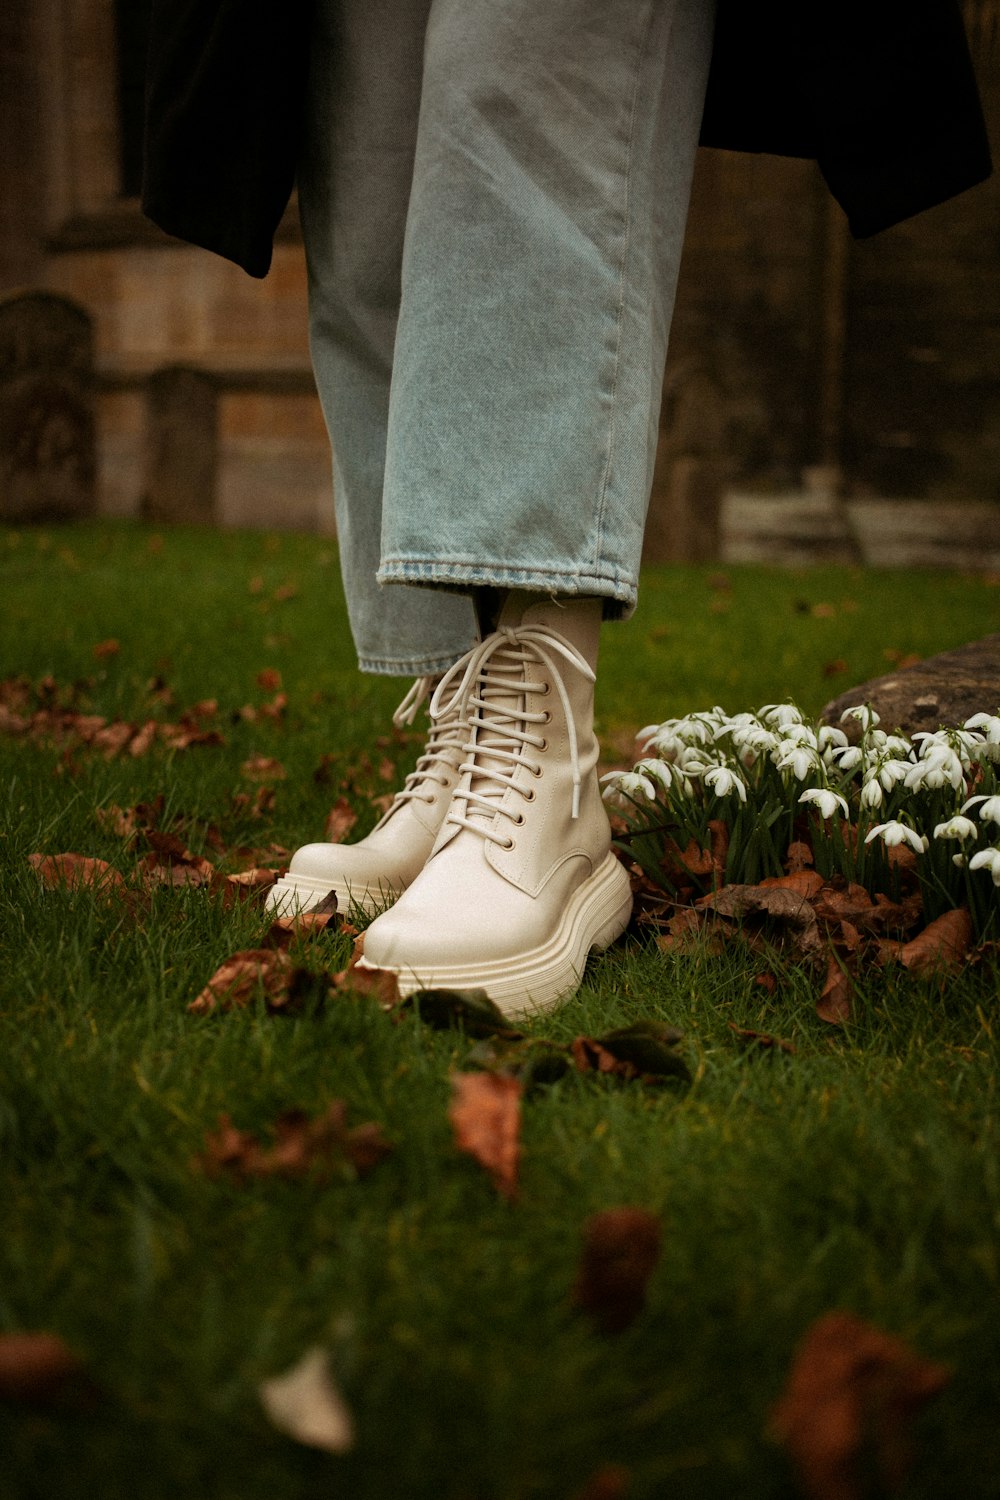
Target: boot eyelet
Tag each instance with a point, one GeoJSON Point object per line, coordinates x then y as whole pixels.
{"type": "Point", "coordinates": [518, 820]}
{"type": "Point", "coordinates": [528, 795]}
{"type": "Point", "coordinates": [546, 717]}
{"type": "Point", "coordinates": [543, 746]}
{"type": "Point", "coordinates": [545, 690]}
{"type": "Point", "coordinates": [507, 844]}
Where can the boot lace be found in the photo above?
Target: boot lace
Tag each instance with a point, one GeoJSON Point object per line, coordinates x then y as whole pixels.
{"type": "Point", "coordinates": [486, 690]}
{"type": "Point", "coordinates": [445, 737]}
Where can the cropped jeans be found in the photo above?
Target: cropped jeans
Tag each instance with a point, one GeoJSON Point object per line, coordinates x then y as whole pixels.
{"type": "Point", "coordinates": [493, 197]}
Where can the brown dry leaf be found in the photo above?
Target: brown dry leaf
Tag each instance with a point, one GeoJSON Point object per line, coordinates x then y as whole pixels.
{"type": "Point", "coordinates": [609, 1482]}
{"type": "Point", "coordinates": [381, 984]}
{"type": "Point", "coordinates": [244, 885]}
{"type": "Point", "coordinates": [305, 1404]}
{"type": "Point", "coordinates": [799, 857]}
{"type": "Point", "coordinates": [767, 982]}
{"type": "Point", "coordinates": [788, 907]}
{"type": "Point", "coordinates": [120, 821]}
{"type": "Point", "coordinates": [76, 872]}
{"type": "Point", "coordinates": [850, 1394]}
{"type": "Point", "coordinates": [263, 768]}
{"type": "Point", "coordinates": [340, 820]}
{"type": "Point", "coordinates": [834, 1003]}
{"type": "Point", "coordinates": [485, 1114]}
{"type": "Point", "coordinates": [104, 649]}
{"type": "Point", "coordinates": [36, 1368]}
{"type": "Point", "coordinates": [942, 944]}
{"type": "Point", "coordinates": [243, 976]}
{"type": "Point", "coordinates": [303, 1147]}
{"type": "Point", "coordinates": [269, 678]}
{"type": "Point", "coordinates": [591, 1057]}
{"type": "Point", "coordinates": [621, 1247]}
{"type": "Point", "coordinates": [143, 739]}
{"type": "Point", "coordinates": [760, 1039]}
{"type": "Point", "coordinates": [806, 883]}
{"type": "Point", "coordinates": [694, 860]}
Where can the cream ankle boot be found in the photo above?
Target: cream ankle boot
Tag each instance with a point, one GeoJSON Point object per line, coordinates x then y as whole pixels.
{"type": "Point", "coordinates": [521, 883]}
{"type": "Point", "coordinates": [373, 872]}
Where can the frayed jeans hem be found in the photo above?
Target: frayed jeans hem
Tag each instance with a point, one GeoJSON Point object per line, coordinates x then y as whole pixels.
{"type": "Point", "coordinates": [618, 593]}
{"type": "Point", "coordinates": [380, 666]}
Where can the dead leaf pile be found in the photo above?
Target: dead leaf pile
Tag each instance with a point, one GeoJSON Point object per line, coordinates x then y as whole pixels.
{"type": "Point", "coordinates": [836, 927]}
{"type": "Point", "coordinates": [319, 1148]}
{"type": "Point", "coordinates": [850, 1395]}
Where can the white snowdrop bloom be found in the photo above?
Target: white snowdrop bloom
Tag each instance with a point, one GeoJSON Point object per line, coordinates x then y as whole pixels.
{"type": "Point", "coordinates": [956, 828]}
{"type": "Point", "coordinates": [662, 739]}
{"type": "Point", "coordinates": [989, 812]}
{"type": "Point", "coordinates": [627, 786]}
{"type": "Point", "coordinates": [723, 782]}
{"type": "Point", "coordinates": [959, 861]}
{"type": "Point", "coordinates": [896, 744]}
{"type": "Point", "coordinates": [780, 714]}
{"type": "Point", "coordinates": [987, 859]}
{"type": "Point", "coordinates": [799, 759]}
{"type": "Point", "coordinates": [831, 738]}
{"type": "Point", "coordinates": [871, 793]}
{"type": "Point", "coordinates": [849, 757]}
{"type": "Point", "coordinates": [890, 771]}
{"type": "Point", "coordinates": [799, 734]}
{"type": "Point", "coordinates": [895, 832]}
{"type": "Point", "coordinates": [658, 770]}
{"type": "Point", "coordinates": [826, 800]}
{"type": "Point", "coordinates": [988, 723]}
{"type": "Point", "coordinates": [940, 767]}
{"type": "Point", "coordinates": [866, 717]}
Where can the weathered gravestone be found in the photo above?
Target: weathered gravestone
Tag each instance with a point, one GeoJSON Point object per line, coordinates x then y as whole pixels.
{"type": "Point", "coordinates": [47, 435]}
{"type": "Point", "coordinates": [181, 446]}
{"type": "Point", "coordinates": [943, 690]}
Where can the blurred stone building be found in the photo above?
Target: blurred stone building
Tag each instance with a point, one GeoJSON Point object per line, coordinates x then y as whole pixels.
{"type": "Point", "coordinates": [800, 360]}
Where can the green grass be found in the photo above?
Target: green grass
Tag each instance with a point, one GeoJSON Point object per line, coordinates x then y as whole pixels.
{"type": "Point", "coordinates": [859, 1173]}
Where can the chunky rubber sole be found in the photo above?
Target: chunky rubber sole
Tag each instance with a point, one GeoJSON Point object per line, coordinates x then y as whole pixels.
{"type": "Point", "coordinates": [294, 894]}
{"type": "Point", "coordinates": [537, 981]}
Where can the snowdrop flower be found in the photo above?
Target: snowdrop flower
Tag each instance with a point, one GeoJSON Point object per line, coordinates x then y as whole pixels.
{"type": "Point", "coordinates": [956, 828]}
{"type": "Point", "coordinates": [990, 810]}
{"type": "Point", "coordinates": [871, 793]}
{"type": "Point", "coordinates": [896, 744]}
{"type": "Point", "coordinates": [779, 714]}
{"type": "Point", "coordinates": [895, 832]}
{"type": "Point", "coordinates": [889, 770]}
{"type": "Point", "coordinates": [626, 786]}
{"type": "Point", "coordinates": [959, 861]}
{"type": "Point", "coordinates": [799, 759]}
{"type": "Point", "coordinates": [990, 723]}
{"type": "Point", "coordinates": [657, 770]}
{"type": "Point", "coordinates": [866, 716]}
{"type": "Point", "coordinates": [723, 781]}
{"type": "Point", "coordinates": [848, 757]}
{"type": "Point", "coordinates": [987, 859]}
{"type": "Point", "coordinates": [940, 766]}
{"type": "Point", "coordinates": [825, 800]}
{"type": "Point", "coordinates": [830, 738]}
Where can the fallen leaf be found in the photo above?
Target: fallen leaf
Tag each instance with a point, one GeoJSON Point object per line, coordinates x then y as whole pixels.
{"type": "Point", "coordinates": [303, 1147]}
{"type": "Point", "coordinates": [835, 667]}
{"type": "Point", "coordinates": [263, 768]}
{"type": "Point", "coordinates": [806, 883]}
{"type": "Point", "coordinates": [789, 908]}
{"type": "Point", "coordinates": [76, 872]}
{"type": "Point", "coordinates": [473, 1010]}
{"type": "Point", "coordinates": [834, 1003]}
{"type": "Point", "coordinates": [941, 945]}
{"type": "Point", "coordinates": [485, 1114]}
{"type": "Point", "coordinates": [850, 1394]}
{"type": "Point", "coordinates": [269, 678]}
{"type": "Point", "coordinates": [609, 1482]}
{"type": "Point", "coordinates": [767, 982]}
{"type": "Point", "coordinates": [621, 1247]}
{"type": "Point", "coordinates": [381, 984]}
{"type": "Point", "coordinates": [242, 977]}
{"type": "Point", "coordinates": [36, 1368]}
{"type": "Point", "coordinates": [306, 1405]}
{"type": "Point", "coordinates": [642, 1050]}
{"type": "Point", "coordinates": [104, 649]}
{"type": "Point", "coordinates": [799, 857]}
{"type": "Point", "coordinates": [143, 739]}
{"type": "Point", "coordinates": [761, 1040]}
{"type": "Point", "coordinates": [340, 820]}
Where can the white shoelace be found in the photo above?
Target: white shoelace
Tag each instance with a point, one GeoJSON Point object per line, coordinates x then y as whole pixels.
{"type": "Point", "coordinates": [447, 734]}
{"type": "Point", "coordinates": [490, 680]}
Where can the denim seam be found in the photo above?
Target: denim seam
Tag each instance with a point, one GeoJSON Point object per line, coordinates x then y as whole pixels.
{"type": "Point", "coordinates": [608, 581]}
{"type": "Point", "coordinates": [389, 666]}
{"type": "Point", "coordinates": [620, 314]}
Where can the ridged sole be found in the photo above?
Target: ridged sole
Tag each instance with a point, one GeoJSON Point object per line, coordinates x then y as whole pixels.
{"type": "Point", "coordinates": [538, 980]}
{"type": "Point", "coordinates": [294, 894]}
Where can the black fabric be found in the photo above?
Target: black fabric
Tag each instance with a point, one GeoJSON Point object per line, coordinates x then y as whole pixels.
{"type": "Point", "coordinates": [880, 92]}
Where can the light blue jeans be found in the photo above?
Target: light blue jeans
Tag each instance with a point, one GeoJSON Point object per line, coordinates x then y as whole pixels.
{"type": "Point", "coordinates": [493, 198]}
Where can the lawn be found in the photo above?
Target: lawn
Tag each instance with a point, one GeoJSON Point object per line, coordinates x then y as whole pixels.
{"type": "Point", "coordinates": [859, 1172]}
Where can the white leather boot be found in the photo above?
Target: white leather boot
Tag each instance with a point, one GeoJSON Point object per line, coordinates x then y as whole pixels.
{"type": "Point", "coordinates": [521, 883]}
{"type": "Point", "coordinates": [370, 874]}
